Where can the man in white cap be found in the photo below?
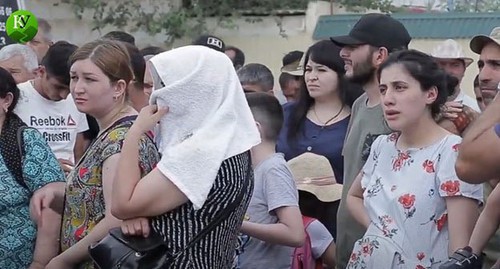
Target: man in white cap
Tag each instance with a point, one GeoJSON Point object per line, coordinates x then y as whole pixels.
{"type": "Point", "coordinates": [450, 56]}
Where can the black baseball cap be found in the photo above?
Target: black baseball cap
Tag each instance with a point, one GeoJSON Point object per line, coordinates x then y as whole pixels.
{"type": "Point", "coordinates": [210, 41]}
{"type": "Point", "coordinates": [378, 30]}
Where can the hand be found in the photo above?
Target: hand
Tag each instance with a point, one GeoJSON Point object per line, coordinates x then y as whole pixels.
{"type": "Point", "coordinates": [148, 118]}
{"type": "Point", "coordinates": [138, 226]}
{"type": "Point", "coordinates": [66, 165]}
{"type": "Point", "coordinates": [451, 109]}
{"type": "Point", "coordinates": [43, 198]}
{"type": "Point", "coordinates": [60, 262]}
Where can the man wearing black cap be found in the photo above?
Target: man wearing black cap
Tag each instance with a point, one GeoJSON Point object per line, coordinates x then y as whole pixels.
{"type": "Point", "coordinates": [364, 49]}
{"type": "Point", "coordinates": [210, 41]}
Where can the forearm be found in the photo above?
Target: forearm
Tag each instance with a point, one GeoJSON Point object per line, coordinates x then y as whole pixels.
{"type": "Point", "coordinates": [488, 222]}
{"type": "Point", "coordinates": [357, 210]}
{"type": "Point", "coordinates": [462, 216]}
{"type": "Point", "coordinates": [128, 173]}
{"type": "Point", "coordinates": [490, 117]}
{"type": "Point", "coordinates": [277, 233]}
{"type": "Point", "coordinates": [47, 237]}
{"type": "Point", "coordinates": [475, 155]}
{"type": "Point", "coordinates": [485, 228]}
{"type": "Point", "coordinates": [78, 253]}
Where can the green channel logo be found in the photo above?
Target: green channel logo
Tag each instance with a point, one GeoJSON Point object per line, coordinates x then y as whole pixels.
{"type": "Point", "coordinates": [21, 26]}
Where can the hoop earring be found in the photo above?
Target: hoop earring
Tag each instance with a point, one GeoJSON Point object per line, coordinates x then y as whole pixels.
{"type": "Point", "coordinates": [6, 109]}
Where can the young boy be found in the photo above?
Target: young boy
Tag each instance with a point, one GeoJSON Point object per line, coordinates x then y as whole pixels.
{"type": "Point", "coordinates": [274, 225]}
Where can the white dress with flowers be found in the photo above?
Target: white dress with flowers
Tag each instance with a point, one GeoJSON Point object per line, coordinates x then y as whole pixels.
{"type": "Point", "coordinates": [404, 195]}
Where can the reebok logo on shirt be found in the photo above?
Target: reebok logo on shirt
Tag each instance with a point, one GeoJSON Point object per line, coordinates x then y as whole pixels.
{"type": "Point", "coordinates": [51, 121]}
{"type": "Point", "coordinates": [53, 129]}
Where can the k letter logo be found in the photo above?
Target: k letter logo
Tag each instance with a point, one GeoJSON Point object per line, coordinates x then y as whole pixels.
{"type": "Point", "coordinates": [22, 26]}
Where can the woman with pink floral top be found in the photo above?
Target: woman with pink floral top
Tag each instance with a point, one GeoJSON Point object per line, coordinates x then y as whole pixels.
{"type": "Point", "coordinates": [416, 210]}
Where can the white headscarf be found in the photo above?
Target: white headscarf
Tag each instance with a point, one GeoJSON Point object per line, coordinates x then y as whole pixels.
{"type": "Point", "coordinates": [209, 119]}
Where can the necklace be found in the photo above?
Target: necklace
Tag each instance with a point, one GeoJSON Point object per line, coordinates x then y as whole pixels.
{"type": "Point", "coordinates": [328, 121]}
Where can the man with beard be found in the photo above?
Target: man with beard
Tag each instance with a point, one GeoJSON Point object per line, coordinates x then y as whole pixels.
{"type": "Point", "coordinates": [479, 156]}
{"type": "Point", "coordinates": [364, 49]}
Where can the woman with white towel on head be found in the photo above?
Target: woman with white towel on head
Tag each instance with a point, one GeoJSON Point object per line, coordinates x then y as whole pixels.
{"type": "Point", "coordinates": [197, 195]}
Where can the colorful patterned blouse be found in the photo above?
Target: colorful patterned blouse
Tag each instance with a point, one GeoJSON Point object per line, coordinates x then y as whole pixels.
{"type": "Point", "coordinates": [17, 230]}
{"type": "Point", "coordinates": [84, 206]}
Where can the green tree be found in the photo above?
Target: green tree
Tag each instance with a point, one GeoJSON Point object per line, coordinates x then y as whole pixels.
{"type": "Point", "coordinates": [188, 18]}
{"type": "Point", "coordinates": [360, 5]}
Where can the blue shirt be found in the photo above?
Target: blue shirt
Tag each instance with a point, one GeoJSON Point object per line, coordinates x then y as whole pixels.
{"type": "Point", "coordinates": [327, 141]}
{"type": "Point", "coordinates": [497, 129]}
{"type": "Point", "coordinates": [17, 230]}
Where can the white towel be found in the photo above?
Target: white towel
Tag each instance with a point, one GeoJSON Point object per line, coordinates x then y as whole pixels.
{"type": "Point", "coordinates": [209, 119]}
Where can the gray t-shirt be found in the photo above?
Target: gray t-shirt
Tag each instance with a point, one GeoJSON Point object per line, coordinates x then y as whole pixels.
{"type": "Point", "coordinates": [274, 187]}
{"type": "Point", "coordinates": [366, 124]}
{"type": "Point", "coordinates": [320, 238]}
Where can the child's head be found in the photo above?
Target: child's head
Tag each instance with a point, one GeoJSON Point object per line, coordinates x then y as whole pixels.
{"type": "Point", "coordinates": [267, 113]}
{"type": "Point", "coordinates": [412, 86]}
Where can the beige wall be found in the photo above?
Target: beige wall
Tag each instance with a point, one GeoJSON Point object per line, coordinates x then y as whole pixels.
{"type": "Point", "coordinates": [266, 41]}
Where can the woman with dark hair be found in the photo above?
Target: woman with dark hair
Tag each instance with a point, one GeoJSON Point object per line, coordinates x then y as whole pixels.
{"type": "Point", "coordinates": [317, 122]}
{"type": "Point", "coordinates": [100, 73]}
{"type": "Point", "coordinates": [408, 196]}
{"type": "Point", "coordinates": [27, 165]}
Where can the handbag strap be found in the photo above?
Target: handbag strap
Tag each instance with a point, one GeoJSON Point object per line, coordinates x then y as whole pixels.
{"type": "Point", "coordinates": [219, 218]}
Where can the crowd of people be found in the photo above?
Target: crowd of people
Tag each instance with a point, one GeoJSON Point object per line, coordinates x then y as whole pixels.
{"type": "Point", "coordinates": [377, 159]}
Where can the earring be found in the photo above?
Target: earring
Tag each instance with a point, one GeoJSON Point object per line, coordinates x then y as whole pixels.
{"type": "Point", "coordinates": [115, 98]}
{"type": "Point", "coordinates": [6, 109]}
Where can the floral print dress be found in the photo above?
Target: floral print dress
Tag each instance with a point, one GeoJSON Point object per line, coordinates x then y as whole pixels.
{"type": "Point", "coordinates": [84, 206]}
{"type": "Point", "coordinates": [404, 195]}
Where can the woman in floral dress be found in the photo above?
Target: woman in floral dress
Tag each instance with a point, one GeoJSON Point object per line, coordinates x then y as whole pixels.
{"type": "Point", "coordinates": [100, 73]}
{"type": "Point", "coordinates": [416, 210]}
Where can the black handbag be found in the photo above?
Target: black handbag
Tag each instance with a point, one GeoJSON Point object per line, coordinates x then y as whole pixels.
{"type": "Point", "coordinates": [117, 250]}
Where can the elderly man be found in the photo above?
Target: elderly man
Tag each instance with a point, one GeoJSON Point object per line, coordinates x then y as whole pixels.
{"type": "Point", "coordinates": [256, 78]}
{"type": "Point", "coordinates": [42, 40]}
{"type": "Point", "coordinates": [20, 61]}
{"type": "Point", "coordinates": [450, 56]}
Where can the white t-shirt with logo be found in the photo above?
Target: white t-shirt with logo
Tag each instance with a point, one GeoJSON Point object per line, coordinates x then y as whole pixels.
{"type": "Point", "coordinates": [59, 122]}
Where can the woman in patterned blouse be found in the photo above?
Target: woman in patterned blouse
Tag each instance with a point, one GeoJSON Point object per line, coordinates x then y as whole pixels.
{"type": "Point", "coordinates": [27, 167]}
{"type": "Point", "coordinates": [100, 72]}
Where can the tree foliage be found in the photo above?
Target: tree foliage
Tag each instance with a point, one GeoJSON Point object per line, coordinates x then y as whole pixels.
{"type": "Point", "coordinates": [174, 19]}
{"type": "Point", "coordinates": [360, 5]}
{"type": "Point", "coordinates": [188, 18]}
